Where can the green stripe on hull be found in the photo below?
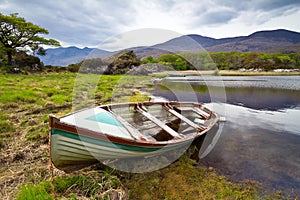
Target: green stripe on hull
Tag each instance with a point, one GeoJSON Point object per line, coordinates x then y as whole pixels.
{"type": "Point", "coordinates": [115, 145]}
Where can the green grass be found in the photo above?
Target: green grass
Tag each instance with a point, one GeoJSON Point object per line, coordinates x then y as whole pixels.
{"type": "Point", "coordinates": [40, 191]}
{"type": "Point", "coordinates": [24, 100]}
{"type": "Point", "coordinates": [185, 180]}
{"type": "Point", "coordinates": [92, 185]}
{"type": "Point", "coordinates": [28, 99]}
{"type": "Point", "coordinates": [6, 128]}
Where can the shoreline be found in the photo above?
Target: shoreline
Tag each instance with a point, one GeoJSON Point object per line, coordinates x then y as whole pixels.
{"type": "Point", "coordinates": [227, 73]}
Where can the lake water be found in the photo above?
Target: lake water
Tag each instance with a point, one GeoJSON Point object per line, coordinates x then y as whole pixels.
{"type": "Point", "coordinates": [260, 139]}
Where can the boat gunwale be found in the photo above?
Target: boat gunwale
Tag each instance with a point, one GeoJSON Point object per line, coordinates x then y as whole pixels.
{"type": "Point", "coordinates": [57, 124]}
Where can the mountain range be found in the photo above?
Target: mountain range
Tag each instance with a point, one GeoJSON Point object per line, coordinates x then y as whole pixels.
{"type": "Point", "coordinates": [63, 56]}
{"type": "Point", "coordinates": [262, 41]}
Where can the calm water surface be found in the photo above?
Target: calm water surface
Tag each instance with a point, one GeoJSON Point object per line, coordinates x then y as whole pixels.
{"type": "Point", "coordinates": [260, 139]}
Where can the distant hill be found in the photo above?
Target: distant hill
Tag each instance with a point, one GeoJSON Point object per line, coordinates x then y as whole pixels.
{"type": "Point", "coordinates": [261, 41]}
{"type": "Point", "coordinates": [64, 56]}
{"type": "Point", "coordinates": [287, 49]}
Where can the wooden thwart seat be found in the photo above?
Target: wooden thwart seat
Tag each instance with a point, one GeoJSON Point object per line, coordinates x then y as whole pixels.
{"type": "Point", "coordinates": [133, 132]}
{"type": "Point", "coordinates": [183, 118]}
{"type": "Point", "coordinates": [197, 110]}
{"type": "Point", "coordinates": [158, 123]}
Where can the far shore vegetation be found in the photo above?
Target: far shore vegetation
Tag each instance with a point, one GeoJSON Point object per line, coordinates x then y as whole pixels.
{"type": "Point", "coordinates": [213, 63]}
{"type": "Point", "coordinates": [222, 63]}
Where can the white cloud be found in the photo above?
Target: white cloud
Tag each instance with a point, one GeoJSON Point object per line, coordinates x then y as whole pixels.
{"type": "Point", "coordinates": [138, 37]}
{"type": "Point", "coordinates": [90, 22]}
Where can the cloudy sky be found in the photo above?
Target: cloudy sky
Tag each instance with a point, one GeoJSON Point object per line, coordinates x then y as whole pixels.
{"type": "Point", "coordinates": [118, 23]}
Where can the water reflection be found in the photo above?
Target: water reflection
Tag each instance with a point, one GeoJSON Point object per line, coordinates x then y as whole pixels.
{"type": "Point", "coordinates": [277, 82]}
{"type": "Point", "coordinates": [259, 146]}
{"type": "Point", "coordinates": [252, 97]}
{"type": "Point", "coordinates": [261, 138]}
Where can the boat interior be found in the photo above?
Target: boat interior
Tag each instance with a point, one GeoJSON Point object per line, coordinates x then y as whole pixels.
{"type": "Point", "coordinates": [161, 121]}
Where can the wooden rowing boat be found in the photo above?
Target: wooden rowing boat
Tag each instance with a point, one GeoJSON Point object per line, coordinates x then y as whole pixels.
{"type": "Point", "coordinates": [126, 130]}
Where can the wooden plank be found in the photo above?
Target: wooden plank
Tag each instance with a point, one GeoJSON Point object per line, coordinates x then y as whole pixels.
{"type": "Point", "coordinates": [159, 123]}
{"type": "Point", "coordinates": [132, 130]}
{"type": "Point", "coordinates": [201, 112]}
{"type": "Point", "coordinates": [197, 110]}
{"type": "Point", "coordinates": [186, 120]}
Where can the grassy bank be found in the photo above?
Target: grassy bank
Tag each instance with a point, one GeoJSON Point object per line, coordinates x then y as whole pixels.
{"type": "Point", "coordinates": [25, 173]}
